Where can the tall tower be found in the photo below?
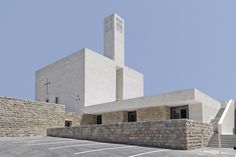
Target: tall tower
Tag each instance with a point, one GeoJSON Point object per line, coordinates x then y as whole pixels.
{"type": "Point", "coordinates": [114, 38]}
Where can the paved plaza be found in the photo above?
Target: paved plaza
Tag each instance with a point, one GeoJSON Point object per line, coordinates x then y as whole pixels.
{"type": "Point", "coordinates": [63, 147]}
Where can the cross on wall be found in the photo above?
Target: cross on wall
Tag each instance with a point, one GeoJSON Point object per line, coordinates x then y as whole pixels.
{"type": "Point", "coordinates": [47, 84]}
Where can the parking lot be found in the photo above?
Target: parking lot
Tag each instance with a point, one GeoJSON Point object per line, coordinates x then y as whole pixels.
{"type": "Point", "coordinates": [63, 147]}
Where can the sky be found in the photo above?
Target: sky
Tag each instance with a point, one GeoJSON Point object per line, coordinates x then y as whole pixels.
{"type": "Point", "coordinates": [176, 44]}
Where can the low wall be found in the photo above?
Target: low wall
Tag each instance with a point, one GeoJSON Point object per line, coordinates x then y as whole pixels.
{"type": "Point", "coordinates": [174, 134]}
{"type": "Point", "coordinates": [32, 118]}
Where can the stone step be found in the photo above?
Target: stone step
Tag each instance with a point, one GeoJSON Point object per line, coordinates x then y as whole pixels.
{"type": "Point", "coordinates": [223, 143]}
{"type": "Point", "coordinates": [222, 146]}
{"type": "Point", "coordinates": [223, 139]}
{"type": "Point", "coordinates": [227, 141]}
{"type": "Point", "coordinates": [216, 144]}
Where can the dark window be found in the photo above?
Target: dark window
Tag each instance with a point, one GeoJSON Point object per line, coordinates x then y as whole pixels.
{"type": "Point", "coordinates": [68, 123]}
{"type": "Point", "coordinates": [132, 116]}
{"type": "Point", "coordinates": [56, 100]}
{"type": "Point", "coordinates": [47, 100]}
{"type": "Point", "coordinates": [180, 112]}
{"type": "Point", "coordinates": [99, 119]}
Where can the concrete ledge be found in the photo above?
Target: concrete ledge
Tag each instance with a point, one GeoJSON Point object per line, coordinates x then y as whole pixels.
{"type": "Point", "coordinates": [175, 134]}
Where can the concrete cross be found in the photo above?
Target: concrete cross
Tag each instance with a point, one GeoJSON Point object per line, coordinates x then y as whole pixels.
{"type": "Point", "coordinates": [47, 84]}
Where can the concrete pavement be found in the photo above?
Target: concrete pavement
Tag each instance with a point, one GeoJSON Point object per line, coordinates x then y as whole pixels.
{"type": "Point", "coordinates": [63, 147]}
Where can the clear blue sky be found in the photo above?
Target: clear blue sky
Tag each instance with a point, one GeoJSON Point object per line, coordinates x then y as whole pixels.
{"type": "Point", "coordinates": [176, 43]}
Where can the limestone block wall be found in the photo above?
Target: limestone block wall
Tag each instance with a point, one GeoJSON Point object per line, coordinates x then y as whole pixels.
{"type": "Point", "coordinates": [195, 130]}
{"type": "Point", "coordinates": [88, 119]}
{"type": "Point", "coordinates": [71, 116]}
{"type": "Point", "coordinates": [32, 118]}
{"type": "Point", "coordinates": [114, 117]}
{"type": "Point", "coordinates": [175, 134]}
{"type": "Point", "coordinates": [153, 113]}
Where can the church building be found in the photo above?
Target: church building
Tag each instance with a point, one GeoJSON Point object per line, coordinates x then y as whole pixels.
{"type": "Point", "coordinates": [106, 91]}
{"type": "Point", "coordinates": [87, 78]}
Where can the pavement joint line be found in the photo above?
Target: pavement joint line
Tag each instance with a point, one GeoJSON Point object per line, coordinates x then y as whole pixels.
{"type": "Point", "coordinates": [102, 149]}
{"type": "Point", "coordinates": [150, 152]}
{"type": "Point", "coordinates": [49, 143]}
{"type": "Point", "coordinates": [41, 141]}
{"type": "Point", "coordinates": [217, 153]}
{"type": "Point", "coordinates": [76, 145]}
{"type": "Point", "coordinates": [12, 140]}
{"type": "Point", "coordinates": [16, 139]}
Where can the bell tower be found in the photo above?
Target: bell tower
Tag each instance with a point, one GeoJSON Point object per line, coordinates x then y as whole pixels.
{"type": "Point", "coordinates": [114, 38]}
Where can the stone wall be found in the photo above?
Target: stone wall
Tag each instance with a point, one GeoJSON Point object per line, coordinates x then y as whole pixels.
{"type": "Point", "coordinates": [114, 117]}
{"type": "Point", "coordinates": [32, 118]}
{"type": "Point", "coordinates": [153, 113]}
{"type": "Point", "coordinates": [88, 119]}
{"type": "Point", "coordinates": [174, 134]}
{"type": "Point", "coordinates": [197, 131]}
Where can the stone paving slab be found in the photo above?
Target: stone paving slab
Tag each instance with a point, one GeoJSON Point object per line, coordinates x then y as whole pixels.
{"type": "Point", "coordinates": [65, 147]}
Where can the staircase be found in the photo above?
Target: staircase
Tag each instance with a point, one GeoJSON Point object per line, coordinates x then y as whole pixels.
{"type": "Point", "coordinates": [227, 141]}
{"type": "Point", "coordinates": [216, 120]}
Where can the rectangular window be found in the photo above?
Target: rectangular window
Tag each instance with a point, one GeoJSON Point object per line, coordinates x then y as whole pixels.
{"type": "Point", "coordinates": [68, 123]}
{"type": "Point", "coordinates": [132, 116]}
{"type": "Point", "coordinates": [179, 112]}
{"type": "Point", "coordinates": [119, 25]}
{"type": "Point", "coordinates": [57, 100]}
{"type": "Point", "coordinates": [99, 119]}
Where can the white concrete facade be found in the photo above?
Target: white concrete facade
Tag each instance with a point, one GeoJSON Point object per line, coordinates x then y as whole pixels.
{"type": "Point", "coordinates": [87, 78]}
{"type": "Point", "coordinates": [132, 84]}
{"type": "Point", "coordinates": [66, 78]}
{"type": "Point", "coordinates": [100, 79]}
{"type": "Point", "coordinates": [129, 84]}
{"type": "Point", "coordinates": [196, 101]}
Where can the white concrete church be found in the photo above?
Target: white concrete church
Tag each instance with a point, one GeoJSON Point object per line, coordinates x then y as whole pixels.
{"type": "Point", "coordinates": [101, 85]}
{"type": "Point", "coordinates": [87, 78]}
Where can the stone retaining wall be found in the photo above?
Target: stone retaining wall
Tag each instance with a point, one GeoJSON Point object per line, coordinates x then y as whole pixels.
{"type": "Point", "coordinates": [32, 118]}
{"type": "Point", "coordinates": [174, 134]}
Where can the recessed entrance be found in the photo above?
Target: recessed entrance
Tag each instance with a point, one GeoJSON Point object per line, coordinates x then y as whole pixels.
{"type": "Point", "coordinates": [179, 112]}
